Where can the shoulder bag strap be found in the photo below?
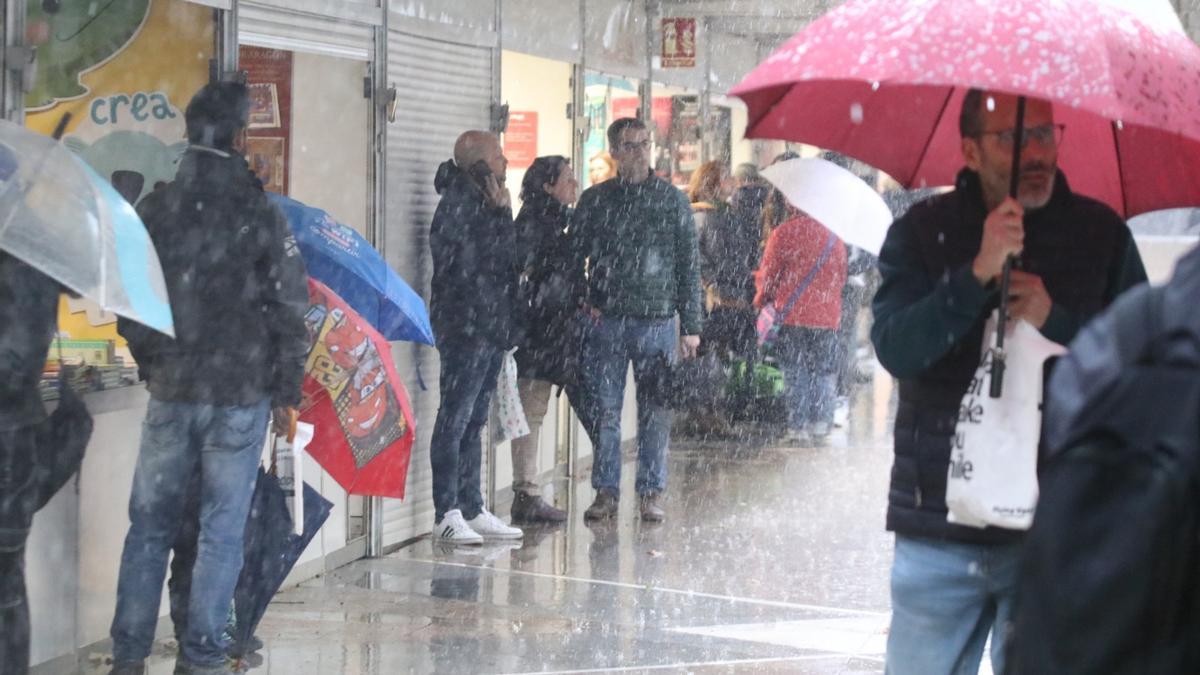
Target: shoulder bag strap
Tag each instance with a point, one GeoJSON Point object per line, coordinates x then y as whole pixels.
{"type": "Point", "coordinates": [795, 296]}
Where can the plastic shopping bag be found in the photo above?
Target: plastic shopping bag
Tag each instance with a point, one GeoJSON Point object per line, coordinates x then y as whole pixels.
{"type": "Point", "coordinates": [992, 477]}
{"type": "Point", "coordinates": [508, 402]}
{"type": "Point", "coordinates": [289, 468]}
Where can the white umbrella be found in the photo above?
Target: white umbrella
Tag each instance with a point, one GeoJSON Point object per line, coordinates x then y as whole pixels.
{"type": "Point", "coordinates": [835, 197]}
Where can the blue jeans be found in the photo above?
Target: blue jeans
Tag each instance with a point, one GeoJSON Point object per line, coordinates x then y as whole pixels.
{"type": "Point", "coordinates": [946, 598]}
{"type": "Point", "coordinates": [222, 444]}
{"type": "Point", "coordinates": [611, 343]}
{"type": "Point", "coordinates": [468, 378]}
{"type": "Point", "coordinates": [806, 357]}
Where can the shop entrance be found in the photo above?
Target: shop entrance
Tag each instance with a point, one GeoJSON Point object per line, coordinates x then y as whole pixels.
{"type": "Point", "coordinates": [310, 139]}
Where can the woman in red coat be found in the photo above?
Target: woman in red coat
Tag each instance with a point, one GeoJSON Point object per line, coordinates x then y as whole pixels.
{"type": "Point", "coordinates": [802, 252]}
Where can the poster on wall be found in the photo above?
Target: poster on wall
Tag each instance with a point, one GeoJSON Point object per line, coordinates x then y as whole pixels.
{"type": "Point", "coordinates": [678, 42]}
{"type": "Point", "coordinates": [520, 139]}
{"type": "Point", "coordinates": [686, 135]}
{"type": "Point", "coordinates": [269, 76]}
{"type": "Point", "coordinates": [267, 157]}
{"type": "Point", "coordinates": [125, 71]}
{"type": "Point", "coordinates": [264, 106]}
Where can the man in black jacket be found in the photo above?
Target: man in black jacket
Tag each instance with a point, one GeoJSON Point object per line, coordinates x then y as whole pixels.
{"type": "Point", "coordinates": [951, 584]}
{"type": "Point", "coordinates": [238, 293]}
{"type": "Point", "coordinates": [475, 275]}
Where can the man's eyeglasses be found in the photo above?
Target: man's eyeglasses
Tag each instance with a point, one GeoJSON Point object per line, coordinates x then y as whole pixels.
{"type": "Point", "coordinates": [634, 147]}
{"type": "Point", "coordinates": [1045, 135]}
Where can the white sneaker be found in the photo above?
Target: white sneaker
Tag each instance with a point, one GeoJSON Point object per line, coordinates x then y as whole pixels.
{"type": "Point", "coordinates": [490, 527]}
{"type": "Point", "coordinates": [452, 529]}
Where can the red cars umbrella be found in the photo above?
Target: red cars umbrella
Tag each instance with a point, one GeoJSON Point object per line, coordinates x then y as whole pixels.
{"type": "Point", "coordinates": [352, 395]}
{"type": "Point", "coordinates": [883, 81]}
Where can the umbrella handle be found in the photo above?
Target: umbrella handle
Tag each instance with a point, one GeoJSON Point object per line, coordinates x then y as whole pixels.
{"type": "Point", "coordinates": [293, 416]}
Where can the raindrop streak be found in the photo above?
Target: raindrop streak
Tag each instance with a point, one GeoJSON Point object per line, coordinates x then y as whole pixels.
{"type": "Point", "coordinates": [856, 113]}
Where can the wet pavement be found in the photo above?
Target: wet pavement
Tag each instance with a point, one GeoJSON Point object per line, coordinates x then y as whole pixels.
{"type": "Point", "coordinates": [773, 558]}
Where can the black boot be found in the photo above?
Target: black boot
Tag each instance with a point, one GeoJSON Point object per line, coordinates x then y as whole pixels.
{"type": "Point", "coordinates": [527, 508]}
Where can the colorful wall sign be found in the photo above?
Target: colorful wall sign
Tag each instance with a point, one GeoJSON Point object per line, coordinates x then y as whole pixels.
{"type": "Point", "coordinates": [125, 71]}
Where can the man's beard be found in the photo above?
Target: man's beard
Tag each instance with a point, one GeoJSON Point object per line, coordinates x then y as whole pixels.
{"type": "Point", "coordinates": [996, 187]}
{"type": "Point", "coordinates": [1036, 197]}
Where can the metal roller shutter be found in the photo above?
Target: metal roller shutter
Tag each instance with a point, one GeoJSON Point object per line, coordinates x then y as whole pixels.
{"type": "Point", "coordinates": [444, 89]}
{"type": "Point", "coordinates": [351, 36]}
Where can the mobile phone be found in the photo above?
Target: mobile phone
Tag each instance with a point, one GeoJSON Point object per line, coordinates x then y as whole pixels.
{"type": "Point", "coordinates": [480, 171]}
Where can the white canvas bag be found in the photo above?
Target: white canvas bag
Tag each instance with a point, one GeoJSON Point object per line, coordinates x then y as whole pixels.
{"type": "Point", "coordinates": [992, 477]}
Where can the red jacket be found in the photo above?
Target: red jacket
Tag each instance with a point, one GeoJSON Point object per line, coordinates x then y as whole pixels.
{"type": "Point", "coordinates": [792, 250]}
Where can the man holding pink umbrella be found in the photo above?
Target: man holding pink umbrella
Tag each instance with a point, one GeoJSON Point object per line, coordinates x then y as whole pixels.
{"type": "Point", "coordinates": [952, 585]}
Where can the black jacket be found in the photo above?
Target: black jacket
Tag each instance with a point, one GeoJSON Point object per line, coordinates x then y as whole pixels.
{"type": "Point", "coordinates": [930, 314]}
{"type": "Point", "coordinates": [731, 246]}
{"type": "Point", "coordinates": [549, 344]}
{"type": "Point", "coordinates": [475, 266]}
{"type": "Point", "coordinates": [28, 315]}
{"type": "Point", "coordinates": [237, 285]}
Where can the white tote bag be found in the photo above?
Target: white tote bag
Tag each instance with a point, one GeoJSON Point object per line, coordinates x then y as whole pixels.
{"type": "Point", "coordinates": [509, 411]}
{"type": "Point", "coordinates": [992, 477]}
{"type": "Point", "coordinates": [289, 468]}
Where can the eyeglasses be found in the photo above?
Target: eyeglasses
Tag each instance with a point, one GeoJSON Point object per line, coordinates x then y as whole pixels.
{"type": "Point", "coordinates": [634, 147]}
{"type": "Point", "coordinates": [1045, 135]}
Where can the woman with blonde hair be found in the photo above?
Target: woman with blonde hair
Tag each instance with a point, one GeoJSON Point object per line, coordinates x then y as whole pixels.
{"type": "Point", "coordinates": [709, 189]}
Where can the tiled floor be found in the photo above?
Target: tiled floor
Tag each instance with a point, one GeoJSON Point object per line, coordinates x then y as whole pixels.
{"type": "Point", "coordinates": [772, 559]}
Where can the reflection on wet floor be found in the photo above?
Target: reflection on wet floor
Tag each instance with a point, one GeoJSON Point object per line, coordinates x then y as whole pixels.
{"type": "Point", "coordinates": [772, 559]}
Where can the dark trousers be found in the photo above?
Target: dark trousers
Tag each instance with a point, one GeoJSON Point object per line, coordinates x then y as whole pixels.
{"type": "Point", "coordinates": [18, 503]}
{"type": "Point", "coordinates": [730, 332]}
{"type": "Point", "coordinates": [806, 356]}
{"type": "Point", "coordinates": [468, 378]}
{"type": "Point", "coordinates": [14, 613]}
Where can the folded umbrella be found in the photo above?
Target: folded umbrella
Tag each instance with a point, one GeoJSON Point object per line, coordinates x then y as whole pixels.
{"type": "Point", "coordinates": [63, 219]}
{"type": "Point", "coordinates": [836, 198]}
{"type": "Point", "coordinates": [340, 258]}
{"type": "Point", "coordinates": [271, 549]}
{"type": "Point", "coordinates": [355, 399]}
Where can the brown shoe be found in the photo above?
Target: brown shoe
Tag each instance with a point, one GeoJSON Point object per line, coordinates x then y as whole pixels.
{"type": "Point", "coordinates": [652, 509]}
{"type": "Point", "coordinates": [604, 507]}
{"type": "Point", "coordinates": [527, 508]}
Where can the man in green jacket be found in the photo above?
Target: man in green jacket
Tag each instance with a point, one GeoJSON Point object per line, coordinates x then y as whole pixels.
{"type": "Point", "coordinates": [636, 239]}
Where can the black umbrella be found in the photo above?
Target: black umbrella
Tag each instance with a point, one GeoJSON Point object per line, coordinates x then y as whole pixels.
{"type": "Point", "coordinates": [271, 549]}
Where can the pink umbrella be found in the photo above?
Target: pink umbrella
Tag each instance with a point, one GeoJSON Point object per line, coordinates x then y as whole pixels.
{"type": "Point", "coordinates": [883, 80]}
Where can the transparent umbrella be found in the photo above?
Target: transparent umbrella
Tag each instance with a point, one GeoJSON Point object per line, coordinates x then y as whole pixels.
{"type": "Point", "coordinates": [62, 218]}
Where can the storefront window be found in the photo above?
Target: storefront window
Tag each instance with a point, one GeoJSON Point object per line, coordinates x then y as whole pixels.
{"type": "Point", "coordinates": [125, 82]}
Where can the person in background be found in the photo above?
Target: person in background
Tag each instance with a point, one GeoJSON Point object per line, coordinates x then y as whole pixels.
{"type": "Point", "coordinates": [238, 295]}
{"type": "Point", "coordinates": [709, 191]}
{"type": "Point", "coordinates": [746, 174]}
{"type": "Point", "coordinates": [548, 352]}
{"type": "Point", "coordinates": [601, 167]}
{"type": "Point", "coordinates": [634, 257]}
{"type": "Point", "coordinates": [474, 293]}
{"type": "Point", "coordinates": [805, 260]}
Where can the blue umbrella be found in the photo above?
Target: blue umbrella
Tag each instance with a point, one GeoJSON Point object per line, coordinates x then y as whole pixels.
{"type": "Point", "coordinates": [340, 258]}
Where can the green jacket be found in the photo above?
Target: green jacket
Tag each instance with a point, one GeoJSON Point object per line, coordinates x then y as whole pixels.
{"type": "Point", "coordinates": [637, 243]}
